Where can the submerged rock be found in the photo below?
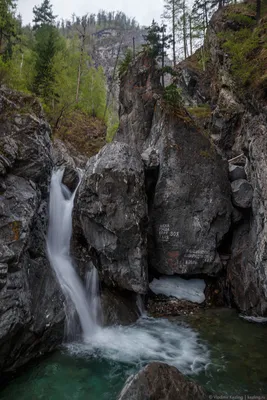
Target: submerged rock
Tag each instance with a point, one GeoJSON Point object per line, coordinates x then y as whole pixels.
{"type": "Point", "coordinates": [112, 213]}
{"type": "Point", "coordinates": [162, 382]}
{"type": "Point", "coordinates": [31, 307]}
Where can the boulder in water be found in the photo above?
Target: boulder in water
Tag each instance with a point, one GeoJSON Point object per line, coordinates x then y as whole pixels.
{"type": "Point", "coordinates": [162, 382]}
{"type": "Point", "coordinates": [112, 212]}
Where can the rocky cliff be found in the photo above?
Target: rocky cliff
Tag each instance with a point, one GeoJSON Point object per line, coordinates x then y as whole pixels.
{"type": "Point", "coordinates": [158, 200]}
{"type": "Point", "coordinates": [235, 91]}
{"type": "Point", "coordinates": [31, 305]}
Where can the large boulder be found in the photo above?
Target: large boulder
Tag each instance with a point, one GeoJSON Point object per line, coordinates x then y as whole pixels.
{"type": "Point", "coordinates": [191, 209]}
{"type": "Point", "coordinates": [158, 381]}
{"type": "Point", "coordinates": [188, 189]}
{"type": "Point", "coordinates": [112, 213]}
{"type": "Point", "coordinates": [31, 307]}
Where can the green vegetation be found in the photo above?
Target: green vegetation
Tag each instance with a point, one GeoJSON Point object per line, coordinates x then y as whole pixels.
{"type": "Point", "coordinates": [53, 61]}
{"type": "Point", "coordinates": [246, 46]}
{"type": "Point", "coordinates": [124, 64]}
{"type": "Point", "coordinates": [200, 112]}
{"type": "Point", "coordinates": [172, 96]}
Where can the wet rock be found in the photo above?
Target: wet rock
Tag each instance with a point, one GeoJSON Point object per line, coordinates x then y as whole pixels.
{"type": "Point", "coordinates": [161, 381]}
{"type": "Point", "coordinates": [118, 308]}
{"type": "Point", "coordinates": [112, 212]}
{"type": "Point", "coordinates": [62, 159]}
{"type": "Point", "coordinates": [236, 172]}
{"type": "Point", "coordinates": [31, 306]}
{"type": "Point", "coordinates": [242, 193]}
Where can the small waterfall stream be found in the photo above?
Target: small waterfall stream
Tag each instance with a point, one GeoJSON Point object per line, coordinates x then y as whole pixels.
{"type": "Point", "coordinates": [58, 248]}
{"type": "Point", "coordinates": [146, 340]}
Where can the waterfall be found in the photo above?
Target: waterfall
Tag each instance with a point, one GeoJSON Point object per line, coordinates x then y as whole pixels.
{"type": "Point", "coordinates": [146, 340]}
{"type": "Point", "coordinates": [92, 290]}
{"type": "Point", "coordinates": [58, 249]}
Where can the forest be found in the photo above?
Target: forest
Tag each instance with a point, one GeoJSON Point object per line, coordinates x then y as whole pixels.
{"type": "Point", "coordinates": [53, 58]}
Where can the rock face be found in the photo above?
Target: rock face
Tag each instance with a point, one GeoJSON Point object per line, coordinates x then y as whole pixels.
{"type": "Point", "coordinates": [31, 316]}
{"type": "Point", "coordinates": [188, 188]}
{"type": "Point", "coordinates": [238, 126]}
{"type": "Point", "coordinates": [158, 381]}
{"type": "Point", "coordinates": [112, 211]}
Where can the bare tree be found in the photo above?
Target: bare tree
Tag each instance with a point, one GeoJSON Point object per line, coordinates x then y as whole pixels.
{"type": "Point", "coordinates": [82, 31]}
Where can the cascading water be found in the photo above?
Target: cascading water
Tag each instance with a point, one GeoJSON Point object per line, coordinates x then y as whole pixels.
{"type": "Point", "coordinates": [58, 248]}
{"type": "Point", "coordinates": [147, 340]}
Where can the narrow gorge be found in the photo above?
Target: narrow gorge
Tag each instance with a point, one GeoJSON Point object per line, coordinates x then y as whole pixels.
{"type": "Point", "coordinates": [140, 272]}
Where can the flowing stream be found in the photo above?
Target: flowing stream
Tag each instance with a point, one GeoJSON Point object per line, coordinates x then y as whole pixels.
{"type": "Point", "coordinates": [225, 353]}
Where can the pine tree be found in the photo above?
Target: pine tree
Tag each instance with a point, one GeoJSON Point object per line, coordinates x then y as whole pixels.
{"type": "Point", "coordinates": [47, 45]}
{"type": "Point", "coordinates": [153, 39]}
{"type": "Point", "coordinates": [43, 15]}
{"type": "Point", "coordinates": [8, 27]}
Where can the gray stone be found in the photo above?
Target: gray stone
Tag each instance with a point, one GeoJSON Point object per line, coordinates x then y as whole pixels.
{"type": "Point", "coordinates": [158, 381]}
{"type": "Point", "coordinates": [31, 304]}
{"type": "Point", "coordinates": [189, 199]}
{"type": "Point", "coordinates": [242, 193]}
{"type": "Point", "coordinates": [150, 158]}
{"type": "Point", "coordinates": [62, 159]}
{"type": "Point", "coordinates": [236, 172]}
{"type": "Point", "coordinates": [118, 308]}
{"type": "Point", "coordinates": [111, 209]}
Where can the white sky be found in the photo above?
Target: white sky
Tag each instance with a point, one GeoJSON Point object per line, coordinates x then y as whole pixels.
{"type": "Point", "coordinates": [143, 10]}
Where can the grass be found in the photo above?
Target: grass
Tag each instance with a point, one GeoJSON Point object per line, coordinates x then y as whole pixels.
{"type": "Point", "coordinates": [245, 42]}
{"type": "Point", "coordinates": [200, 112]}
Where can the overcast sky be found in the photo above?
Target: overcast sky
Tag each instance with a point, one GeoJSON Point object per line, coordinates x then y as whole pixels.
{"type": "Point", "coordinates": [143, 10]}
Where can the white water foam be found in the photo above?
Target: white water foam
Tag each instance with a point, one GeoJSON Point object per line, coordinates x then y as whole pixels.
{"type": "Point", "coordinates": [148, 340]}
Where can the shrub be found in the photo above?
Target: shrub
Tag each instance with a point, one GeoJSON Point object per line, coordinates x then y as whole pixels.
{"type": "Point", "coordinates": [172, 96]}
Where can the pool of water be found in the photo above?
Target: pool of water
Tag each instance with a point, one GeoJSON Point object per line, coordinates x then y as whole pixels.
{"type": "Point", "coordinates": [224, 353]}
